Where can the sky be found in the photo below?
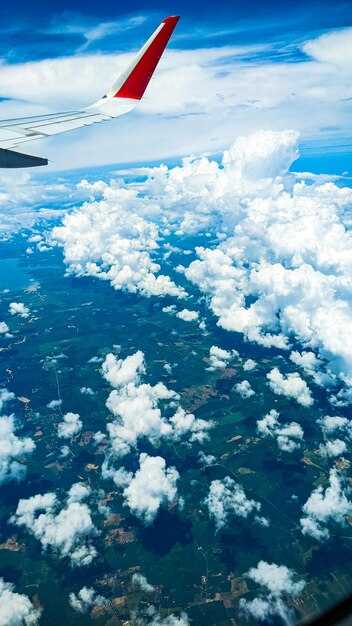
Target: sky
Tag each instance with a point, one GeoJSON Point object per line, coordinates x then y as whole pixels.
{"type": "Point", "coordinates": [225, 73]}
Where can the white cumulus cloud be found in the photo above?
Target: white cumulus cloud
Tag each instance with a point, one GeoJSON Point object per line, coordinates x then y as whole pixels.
{"type": "Point", "coordinates": [225, 498]}
{"type": "Point", "coordinates": [15, 608]}
{"type": "Point", "coordinates": [110, 240]}
{"type": "Point", "coordinates": [64, 530]}
{"type": "Point", "coordinates": [333, 448]}
{"type": "Point", "coordinates": [326, 506]}
{"type": "Point", "coordinates": [220, 358]}
{"type": "Point", "coordinates": [140, 581]}
{"type": "Point", "coordinates": [154, 619]}
{"type": "Point", "coordinates": [249, 365]}
{"type": "Point", "coordinates": [70, 426]}
{"type": "Point", "coordinates": [4, 328]}
{"type": "Point", "coordinates": [288, 436]}
{"type": "Point", "coordinates": [137, 408]}
{"type": "Point", "coordinates": [338, 427]}
{"type": "Point", "coordinates": [18, 308]}
{"type": "Point", "coordinates": [187, 316]}
{"type": "Point", "coordinates": [278, 582]}
{"type": "Point", "coordinates": [12, 447]}
{"type": "Point", "coordinates": [244, 389]}
{"type": "Point", "coordinates": [150, 487]}
{"type": "Point", "coordinates": [86, 599]}
{"type": "Point", "coordinates": [284, 243]}
{"type": "Point", "coordinates": [291, 385]}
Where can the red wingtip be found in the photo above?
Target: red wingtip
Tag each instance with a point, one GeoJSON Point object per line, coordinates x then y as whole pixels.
{"type": "Point", "coordinates": [137, 82]}
{"type": "Point", "coordinates": [172, 18]}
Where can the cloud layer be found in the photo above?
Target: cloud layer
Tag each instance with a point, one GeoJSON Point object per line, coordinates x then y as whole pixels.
{"type": "Point", "coordinates": [109, 240]}
{"type": "Point", "coordinates": [278, 266]}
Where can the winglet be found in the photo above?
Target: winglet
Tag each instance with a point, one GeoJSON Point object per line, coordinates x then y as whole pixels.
{"type": "Point", "coordinates": [130, 86]}
{"type": "Point", "coordinates": [139, 73]}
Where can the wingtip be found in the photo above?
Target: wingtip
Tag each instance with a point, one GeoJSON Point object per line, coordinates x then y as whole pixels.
{"type": "Point", "coordinates": [172, 18]}
{"type": "Point", "coordinates": [137, 77]}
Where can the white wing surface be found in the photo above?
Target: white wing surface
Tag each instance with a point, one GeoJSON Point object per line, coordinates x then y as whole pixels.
{"type": "Point", "coordinates": [123, 96]}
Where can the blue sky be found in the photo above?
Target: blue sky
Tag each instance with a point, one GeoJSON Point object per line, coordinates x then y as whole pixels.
{"type": "Point", "coordinates": [37, 30]}
{"type": "Point", "coordinates": [232, 69]}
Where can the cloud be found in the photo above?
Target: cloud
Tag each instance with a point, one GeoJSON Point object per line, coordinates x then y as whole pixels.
{"type": "Point", "coordinates": [170, 309]}
{"type": "Point", "coordinates": [150, 487]}
{"type": "Point", "coordinates": [344, 396]}
{"type": "Point", "coordinates": [91, 30]}
{"type": "Point", "coordinates": [170, 620]}
{"type": "Point", "coordinates": [312, 366]}
{"type": "Point", "coordinates": [187, 425]}
{"type": "Point", "coordinates": [227, 497]}
{"type": "Point", "coordinates": [12, 447]}
{"type": "Point", "coordinates": [276, 578]}
{"type": "Point", "coordinates": [65, 531]}
{"type": "Point", "coordinates": [278, 261]}
{"type": "Point", "coordinates": [288, 436]}
{"type": "Point", "coordinates": [335, 423]}
{"type": "Point", "coordinates": [154, 619]}
{"type": "Point", "coordinates": [137, 408]}
{"type": "Point", "coordinates": [3, 328]}
{"type": "Point", "coordinates": [110, 240]}
{"type": "Point", "coordinates": [15, 608]}
{"type": "Point", "coordinates": [5, 396]}
{"type": "Point", "coordinates": [220, 358]}
{"type": "Point", "coordinates": [119, 372]}
{"type": "Point", "coordinates": [21, 202]}
{"type": "Point", "coordinates": [18, 308]}
{"type": "Point", "coordinates": [293, 280]}
{"type": "Point", "coordinates": [249, 365]}
{"type": "Point", "coordinates": [333, 448]}
{"type": "Point", "coordinates": [206, 459]}
{"type": "Point", "coordinates": [333, 48]}
{"type": "Point", "coordinates": [291, 386]}
{"type": "Point", "coordinates": [187, 316]}
{"type": "Point", "coordinates": [332, 425]}
{"type": "Point", "coordinates": [86, 599]}
{"type": "Point", "coordinates": [244, 389]}
{"type": "Point", "coordinates": [279, 583]}
{"type": "Point", "coordinates": [77, 493]}
{"type": "Point", "coordinates": [64, 451]}
{"type": "Point", "coordinates": [140, 581]}
{"type": "Point", "coordinates": [324, 507]}
{"type": "Point", "coordinates": [54, 404]}
{"type": "Point", "coordinates": [88, 391]}
{"type": "Point", "coordinates": [70, 426]}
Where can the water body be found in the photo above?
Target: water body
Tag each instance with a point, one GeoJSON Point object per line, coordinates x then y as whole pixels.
{"type": "Point", "coordinates": [12, 275]}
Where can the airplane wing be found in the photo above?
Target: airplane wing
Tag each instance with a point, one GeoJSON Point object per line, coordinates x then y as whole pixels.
{"type": "Point", "coordinates": [123, 96]}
